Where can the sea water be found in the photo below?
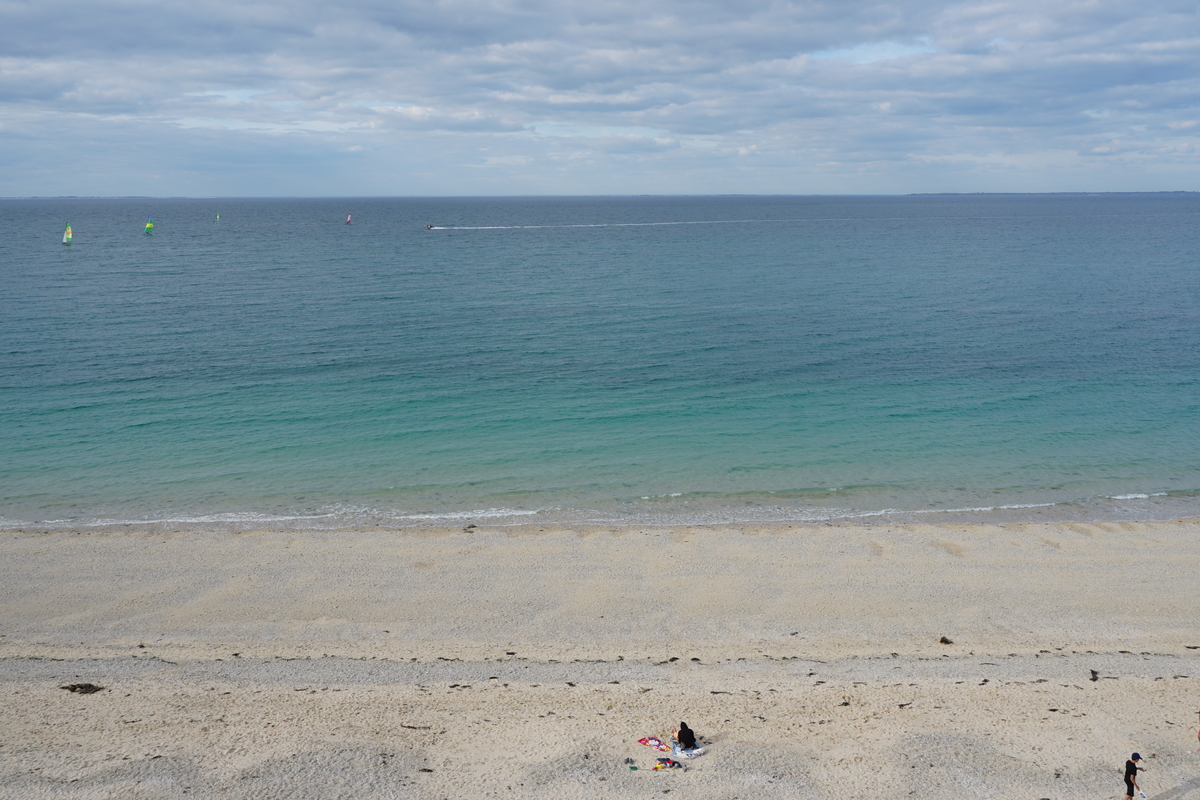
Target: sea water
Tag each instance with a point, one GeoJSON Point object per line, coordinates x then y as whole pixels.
{"type": "Point", "coordinates": [643, 360]}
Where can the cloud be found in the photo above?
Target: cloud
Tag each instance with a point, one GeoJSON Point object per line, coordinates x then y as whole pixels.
{"type": "Point", "coordinates": [564, 97]}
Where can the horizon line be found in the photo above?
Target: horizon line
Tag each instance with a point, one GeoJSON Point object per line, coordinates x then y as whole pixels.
{"type": "Point", "coordinates": [536, 196]}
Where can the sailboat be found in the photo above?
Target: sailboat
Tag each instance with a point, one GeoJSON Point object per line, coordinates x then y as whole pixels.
{"type": "Point", "coordinates": [67, 235]}
{"type": "Point", "coordinates": [347, 217]}
{"type": "Point", "coordinates": [149, 227]}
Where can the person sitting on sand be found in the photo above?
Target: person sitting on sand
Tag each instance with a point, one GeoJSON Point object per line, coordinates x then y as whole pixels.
{"type": "Point", "coordinates": [684, 743]}
{"type": "Point", "coordinates": [1131, 771]}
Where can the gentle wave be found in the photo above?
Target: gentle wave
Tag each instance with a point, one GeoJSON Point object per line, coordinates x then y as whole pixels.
{"type": "Point", "coordinates": [1125, 507]}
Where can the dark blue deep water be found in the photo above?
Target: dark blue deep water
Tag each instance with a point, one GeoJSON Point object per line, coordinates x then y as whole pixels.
{"type": "Point", "coordinates": [640, 360]}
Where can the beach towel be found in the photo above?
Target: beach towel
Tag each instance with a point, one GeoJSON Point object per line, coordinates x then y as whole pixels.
{"type": "Point", "coordinates": [656, 743]}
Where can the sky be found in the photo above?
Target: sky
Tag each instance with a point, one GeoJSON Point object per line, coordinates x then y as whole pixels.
{"type": "Point", "coordinates": [596, 97]}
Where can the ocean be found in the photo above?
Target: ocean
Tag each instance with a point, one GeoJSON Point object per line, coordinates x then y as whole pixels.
{"type": "Point", "coordinates": [599, 360]}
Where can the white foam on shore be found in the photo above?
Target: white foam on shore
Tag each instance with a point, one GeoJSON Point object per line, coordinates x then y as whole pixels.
{"type": "Point", "coordinates": [652, 510]}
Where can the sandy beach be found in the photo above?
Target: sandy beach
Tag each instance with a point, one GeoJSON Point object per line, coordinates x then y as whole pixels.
{"type": "Point", "coordinates": [1015, 661]}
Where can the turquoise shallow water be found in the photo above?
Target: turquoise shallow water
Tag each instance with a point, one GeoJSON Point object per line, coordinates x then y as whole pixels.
{"type": "Point", "coordinates": [638, 360]}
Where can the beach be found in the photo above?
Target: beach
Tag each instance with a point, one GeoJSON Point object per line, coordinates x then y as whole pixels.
{"type": "Point", "coordinates": [885, 496]}
{"type": "Point", "coordinates": [1024, 660]}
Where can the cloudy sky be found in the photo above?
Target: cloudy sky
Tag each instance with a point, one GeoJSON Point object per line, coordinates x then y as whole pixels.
{"type": "Point", "coordinates": [518, 97]}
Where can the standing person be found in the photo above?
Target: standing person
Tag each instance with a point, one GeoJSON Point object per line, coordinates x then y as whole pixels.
{"type": "Point", "coordinates": [1131, 771]}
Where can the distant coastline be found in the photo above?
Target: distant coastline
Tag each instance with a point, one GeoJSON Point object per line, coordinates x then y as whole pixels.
{"type": "Point", "coordinates": [1045, 194]}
